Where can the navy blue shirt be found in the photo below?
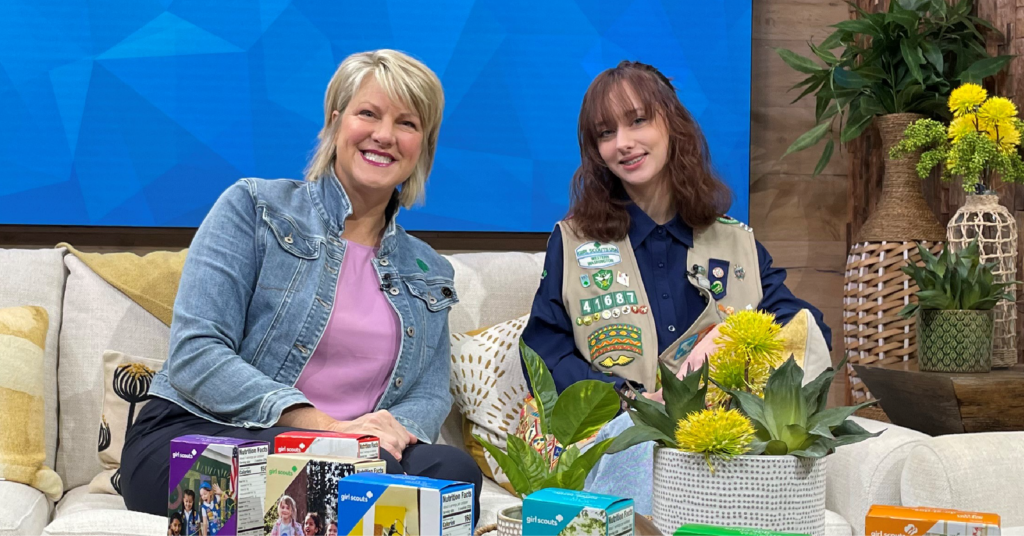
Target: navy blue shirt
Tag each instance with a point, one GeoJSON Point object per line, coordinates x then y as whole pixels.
{"type": "Point", "coordinates": [661, 252]}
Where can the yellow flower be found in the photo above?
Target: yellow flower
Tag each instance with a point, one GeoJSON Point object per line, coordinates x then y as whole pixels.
{"type": "Point", "coordinates": [715, 432]}
{"type": "Point", "coordinates": [964, 98]}
{"type": "Point", "coordinates": [997, 110]}
{"type": "Point", "coordinates": [1006, 136]}
{"type": "Point", "coordinates": [750, 346]}
{"type": "Point", "coordinates": [961, 126]}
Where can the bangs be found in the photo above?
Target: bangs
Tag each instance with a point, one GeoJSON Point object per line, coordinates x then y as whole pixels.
{"type": "Point", "coordinates": [609, 100]}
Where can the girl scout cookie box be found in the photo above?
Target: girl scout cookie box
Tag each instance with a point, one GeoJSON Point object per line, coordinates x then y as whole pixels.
{"type": "Point", "coordinates": [711, 530]}
{"type": "Point", "coordinates": [227, 478]}
{"type": "Point", "coordinates": [554, 511]}
{"type": "Point", "coordinates": [301, 484]}
{"type": "Point", "coordinates": [373, 504]}
{"type": "Point", "coordinates": [905, 521]}
{"type": "Point", "coordinates": [328, 443]}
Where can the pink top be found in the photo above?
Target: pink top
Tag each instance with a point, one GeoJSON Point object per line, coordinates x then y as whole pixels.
{"type": "Point", "coordinates": [352, 364]}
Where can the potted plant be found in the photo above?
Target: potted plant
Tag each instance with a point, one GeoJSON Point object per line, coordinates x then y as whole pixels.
{"type": "Point", "coordinates": [578, 413]}
{"type": "Point", "coordinates": [954, 310]}
{"type": "Point", "coordinates": [982, 139]}
{"type": "Point", "coordinates": [752, 455]}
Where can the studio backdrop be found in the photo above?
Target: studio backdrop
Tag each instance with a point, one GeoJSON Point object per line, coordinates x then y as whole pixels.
{"type": "Point", "coordinates": [141, 113]}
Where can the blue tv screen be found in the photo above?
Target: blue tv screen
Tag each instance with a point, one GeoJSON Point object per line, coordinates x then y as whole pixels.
{"type": "Point", "coordinates": [141, 113]}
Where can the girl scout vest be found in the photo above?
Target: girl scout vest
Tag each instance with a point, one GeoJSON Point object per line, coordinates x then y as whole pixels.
{"type": "Point", "coordinates": [605, 297]}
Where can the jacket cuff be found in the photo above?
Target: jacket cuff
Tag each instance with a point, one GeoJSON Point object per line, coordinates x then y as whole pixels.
{"type": "Point", "coordinates": [413, 428]}
{"type": "Point", "coordinates": [274, 404]}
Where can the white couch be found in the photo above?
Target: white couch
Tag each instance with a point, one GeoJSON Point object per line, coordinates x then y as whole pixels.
{"type": "Point", "coordinates": [88, 316]}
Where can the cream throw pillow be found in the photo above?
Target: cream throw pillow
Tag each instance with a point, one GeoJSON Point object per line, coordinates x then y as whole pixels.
{"type": "Point", "coordinates": [126, 381]}
{"type": "Point", "coordinates": [22, 437]}
{"type": "Point", "coordinates": [489, 388]}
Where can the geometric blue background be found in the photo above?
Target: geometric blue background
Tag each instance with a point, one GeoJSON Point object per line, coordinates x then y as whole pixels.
{"type": "Point", "coordinates": [140, 113]}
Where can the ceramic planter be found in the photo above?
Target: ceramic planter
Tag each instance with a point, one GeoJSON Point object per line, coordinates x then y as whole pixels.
{"type": "Point", "coordinates": [954, 341]}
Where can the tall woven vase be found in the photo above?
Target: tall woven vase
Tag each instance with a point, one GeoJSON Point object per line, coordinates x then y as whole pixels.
{"type": "Point", "coordinates": [875, 289]}
{"type": "Point", "coordinates": [982, 218]}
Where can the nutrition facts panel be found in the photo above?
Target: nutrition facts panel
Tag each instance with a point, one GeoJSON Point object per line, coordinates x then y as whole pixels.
{"type": "Point", "coordinates": [457, 513]}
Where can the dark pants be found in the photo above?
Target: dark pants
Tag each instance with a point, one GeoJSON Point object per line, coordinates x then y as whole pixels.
{"type": "Point", "coordinates": [145, 459]}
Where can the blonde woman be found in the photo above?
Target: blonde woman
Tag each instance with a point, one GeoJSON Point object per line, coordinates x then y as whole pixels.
{"type": "Point", "coordinates": [302, 305]}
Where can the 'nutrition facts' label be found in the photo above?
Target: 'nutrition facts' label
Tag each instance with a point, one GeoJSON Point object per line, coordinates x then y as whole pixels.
{"type": "Point", "coordinates": [621, 523]}
{"type": "Point", "coordinates": [369, 449]}
{"type": "Point", "coordinates": [252, 487]}
{"type": "Point", "coordinates": [457, 513]}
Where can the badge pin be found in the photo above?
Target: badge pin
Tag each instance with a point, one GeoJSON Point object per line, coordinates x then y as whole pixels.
{"type": "Point", "coordinates": [703, 282]}
{"type": "Point", "coordinates": [717, 287]}
{"type": "Point", "coordinates": [718, 272]}
{"type": "Point", "coordinates": [579, 320]}
{"type": "Point", "coordinates": [622, 279]}
{"type": "Point", "coordinates": [616, 313]}
{"type": "Point", "coordinates": [595, 317]}
{"type": "Point", "coordinates": [603, 279]}
{"type": "Point", "coordinates": [699, 270]}
{"type": "Point", "coordinates": [635, 309]}
{"type": "Point", "coordinates": [543, 274]}
{"type": "Point", "coordinates": [727, 310]}
{"type": "Point", "coordinates": [625, 309]}
{"type": "Point", "coordinates": [585, 280]}
{"type": "Point", "coordinates": [740, 272]}
{"type": "Point", "coordinates": [587, 320]}
{"type": "Point", "coordinates": [606, 315]}
{"type": "Point", "coordinates": [643, 309]}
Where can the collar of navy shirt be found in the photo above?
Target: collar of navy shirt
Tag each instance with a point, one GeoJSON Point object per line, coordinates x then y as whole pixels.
{"type": "Point", "coordinates": [641, 226]}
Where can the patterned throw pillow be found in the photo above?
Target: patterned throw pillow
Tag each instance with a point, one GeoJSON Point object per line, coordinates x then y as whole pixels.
{"type": "Point", "coordinates": [126, 381]}
{"type": "Point", "coordinates": [22, 439]}
{"type": "Point", "coordinates": [489, 388]}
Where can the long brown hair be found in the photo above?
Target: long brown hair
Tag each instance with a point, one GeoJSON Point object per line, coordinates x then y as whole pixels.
{"type": "Point", "coordinates": [598, 206]}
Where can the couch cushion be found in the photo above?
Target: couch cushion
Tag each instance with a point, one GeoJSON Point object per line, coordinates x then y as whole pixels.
{"type": "Point", "coordinates": [974, 472]}
{"type": "Point", "coordinates": [97, 318]}
{"type": "Point", "coordinates": [835, 525]}
{"type": "Point", "coordinates": [80, 513]}
{"type": "Point", "coordinates": [23, 510]}
{"type": "Point", "coordinates": [868, 472]}
{"type": "Point", "coordinates": [493, 287]}
{"type": "Point", "coordinates": [493, 499]}
{"type": "Point", "coordinates": [36, 277]}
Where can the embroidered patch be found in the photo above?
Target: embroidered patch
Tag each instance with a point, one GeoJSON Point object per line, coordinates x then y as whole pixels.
{"type": "Point", "coordinates": [585, 280]}
{"type": "Point", "coordinates": [622, 278]}
{"type": "Point", "coordinates": [728, 220]}
{"type": "Point", "coordinates": [615, 338]}
{"type": "Point", "coordinates": [597, 255]}
{"type": "Point", "coordinates": [685, 347]}
{"type": "Point", "coordinates": [717, 287]}
{"type": "Point", "coordinates": [618, 361]}
{"type": "Point", "coordinates": [423, 266]}
{"type": "Point", "coordinates": [608, 301]}
{"type": "Point", "coordinates": [603, 279]}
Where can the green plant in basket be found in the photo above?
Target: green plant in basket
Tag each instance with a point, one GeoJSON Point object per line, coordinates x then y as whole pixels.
{"type": "Point", "coordinates": [982, 138]}
{"type": "Point", "coordinates": [905, 60]}
{"type": "Point", "coordinates": [578, 413]}
{"type": "Point", "coordinates": [787, 419]}
{"type": "Point", "coordinates": [955, 281]}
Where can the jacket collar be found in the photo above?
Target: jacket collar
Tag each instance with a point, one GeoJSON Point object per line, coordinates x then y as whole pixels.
{"type": "Point", "coordinates": [334, 207]}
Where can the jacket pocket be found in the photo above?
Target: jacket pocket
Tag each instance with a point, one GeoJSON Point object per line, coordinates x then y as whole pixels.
{"type": "Point", "coordinates": [437, 293]}
{"type": "Point", "coordinates": [289, 237]}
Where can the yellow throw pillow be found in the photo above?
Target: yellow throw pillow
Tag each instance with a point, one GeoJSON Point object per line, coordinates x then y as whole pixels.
{"type": "Point", "coordinates": [489, 388]}
{"type": "Point", "coordinates": [22, 441]}
{"type": "Point", "coordinates": [804, 341]}
{"type": "Point", "coordinates": [126, 381]}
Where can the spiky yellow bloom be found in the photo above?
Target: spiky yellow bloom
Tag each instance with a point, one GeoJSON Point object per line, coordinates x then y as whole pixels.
{"type": "Point", "coordinates": [715, 432]}
{"type": "Point", "coordinates": [1006, 136]}
{"type": "Point", "coordinates": [965, 98]}
{"type": "Point", "coordinates": [961, 126]}
{"type": "Point", "coordinates": [997, 110]}
{"type": "Point", "coordinates": [750, 347]}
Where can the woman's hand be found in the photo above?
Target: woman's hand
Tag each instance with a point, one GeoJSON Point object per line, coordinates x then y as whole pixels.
{"type": "Point", "coordinates": [393, 436]}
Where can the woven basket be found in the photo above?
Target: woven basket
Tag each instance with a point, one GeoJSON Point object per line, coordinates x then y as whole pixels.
{"type": "Point", "coordinates": [982, 218]}
{"type": "Point", "coordinates": [875, 288]}
{"type": "Point", "coordinates": [778, 493]}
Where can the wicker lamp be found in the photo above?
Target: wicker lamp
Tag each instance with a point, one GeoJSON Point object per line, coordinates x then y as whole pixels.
{"type": "Point", "coordinates": [875, 289]}
{"type": "Point", "coordinates": [982, 218]}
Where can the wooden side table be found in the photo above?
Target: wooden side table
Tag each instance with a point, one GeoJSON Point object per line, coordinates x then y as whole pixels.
{"type": "Point", "coordinates": [938, 403]}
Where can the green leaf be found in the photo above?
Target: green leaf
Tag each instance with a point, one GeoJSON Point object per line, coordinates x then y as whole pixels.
{"type": "Point", "coordinates": [776, 447]}
{"type": "Point", "coordinates": [752, 406]}
{"type": "Point", "coordinates": [913, 58]}
{"type": "Point", "coordinates": [818, 449]}
{"type": "Point", "coordinates": [850, 79]}
{"type": "Point", "coordinates": [582, 409]}
{"type": "Point", "coordinates": [822, 423]}
{"type": "Point", "coordinates": [932, 54]}
{"type": "Point", "coordinates": [566, 458]}
{"type": "Point", "coordinates": [798, 62]}
{"type": "Point", "coordinates": [589, 459]}
{"type": "Point", "coordinates": [534, 466]}
{"type": "Point", "coordinates": [783, 401]}
{"type": "Point", "coordinates": [796, 437]}
{"type": "Point", "coordinates": [984, 68]}
{"type": "Point", "coordinates": [826, 155]}
{"type": "Point", "coordinates": [568, 479]}
{"type": "Point", "coordinates": [809, 138]}
{"type": "Point", "coordinates": [815, 393]}
{"type": "Point", "coordinates": [858, 26]}
{"type": "Point", "coordinates": [913, 5]}
{"type": "Point", "coordinates": [853, 130]}
{"type": "Point", "coordinates": [686, 396]}
{"type": "Point", "coordinates": [512, 469]}
{"type": "Point", "coordinates": [637, 434]}
{"type": "Point", "coordinates": [907, 19]}
{"type": "Point", "coordinates": [651, 413]}
{"type": "Point", "coordinates": [834, 40]}
{"type": "Point", "coordinates": [543, 385]}
{"type": "Point", "coordinates": [826, 56]}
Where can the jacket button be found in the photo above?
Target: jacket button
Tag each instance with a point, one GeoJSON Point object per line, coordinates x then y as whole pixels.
{"type": "Point", "coordinates": [394, 291]}
{"type": "Point", "coordinates": [398, 381]}
{"type": "Point", "coordinates": [432, 300]}
{"type": "Point", "coordinates": [446, 292]}
{"type": "Point", "coordinates": [384, 262]}
{"type": "Point", "coordinates": [410, 331]}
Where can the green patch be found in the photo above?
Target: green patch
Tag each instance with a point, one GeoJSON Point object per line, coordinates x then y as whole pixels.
{"type": "Point", "coordinates": [603, 279]}
{"type": "Point", "coordinates": [728, 220]}
{"type": "Point", "coordinates": [423, 266]}
{"type": "Point", "coordinates": [543, 274]}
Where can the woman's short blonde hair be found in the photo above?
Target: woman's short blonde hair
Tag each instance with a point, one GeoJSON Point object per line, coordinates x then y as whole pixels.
{"type": "Point", "coordinates": [405, 80]}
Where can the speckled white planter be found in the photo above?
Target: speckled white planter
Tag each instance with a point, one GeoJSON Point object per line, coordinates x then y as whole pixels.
{"type": "Point", "coordinates": [779, 493]}
{"type": "Point", "coordinates": [510, 521]}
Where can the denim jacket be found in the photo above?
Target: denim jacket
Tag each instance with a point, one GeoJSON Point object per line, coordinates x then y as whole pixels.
{"type": "Point", "coordinates": [257, 291]}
